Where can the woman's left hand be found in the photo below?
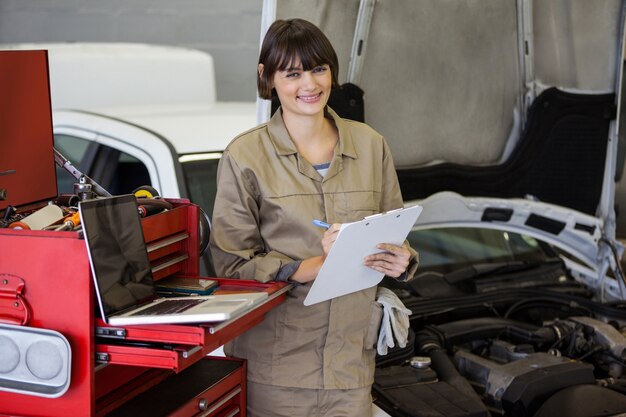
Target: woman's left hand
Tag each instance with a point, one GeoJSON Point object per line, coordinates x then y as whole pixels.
{"type": "Point", "coordinates": [393, 261]}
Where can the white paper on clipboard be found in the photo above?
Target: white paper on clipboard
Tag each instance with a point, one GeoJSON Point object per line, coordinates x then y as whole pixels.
{"type": "Point", "coordinates": [343, 271]}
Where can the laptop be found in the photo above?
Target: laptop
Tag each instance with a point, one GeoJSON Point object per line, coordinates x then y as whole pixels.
{"type": "Point", "coordinates": [124, 284]}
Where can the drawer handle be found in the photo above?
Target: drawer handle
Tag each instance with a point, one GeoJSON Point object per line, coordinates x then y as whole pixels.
{"type": "Point", "coordinates": [165, 242]}
{"type": "Point", "coordinates": [203, 403]}
{"type": "Point", "coordinates": [169, 262]}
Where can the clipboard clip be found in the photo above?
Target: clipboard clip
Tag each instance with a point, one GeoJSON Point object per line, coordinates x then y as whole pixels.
{"type": "Point", "coordinates": [384, 212]}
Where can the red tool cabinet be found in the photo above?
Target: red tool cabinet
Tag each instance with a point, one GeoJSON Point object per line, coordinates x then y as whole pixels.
{"type": "Point", "coordinates": [45, 283]}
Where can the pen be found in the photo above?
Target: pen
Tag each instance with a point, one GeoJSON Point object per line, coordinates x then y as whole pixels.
{"type": "Point", "coordinates": [321, 224]}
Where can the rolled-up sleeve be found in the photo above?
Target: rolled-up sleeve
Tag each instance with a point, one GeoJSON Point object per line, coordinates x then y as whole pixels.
{"type": "Point", "coordinates": [236, 244]}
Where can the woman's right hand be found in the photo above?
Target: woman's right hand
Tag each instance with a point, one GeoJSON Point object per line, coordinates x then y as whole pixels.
{"type": "Point", "coordinates": [310, 267]}
{"type": "Point", "coordinates": [329, 238]}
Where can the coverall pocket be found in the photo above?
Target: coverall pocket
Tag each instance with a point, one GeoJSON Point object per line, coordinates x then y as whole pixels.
{"type": "Point", "coordinates": [356, 205]}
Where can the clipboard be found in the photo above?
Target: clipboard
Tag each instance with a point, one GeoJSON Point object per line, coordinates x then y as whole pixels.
{"type": "Point", "coordinates": [343, 271]}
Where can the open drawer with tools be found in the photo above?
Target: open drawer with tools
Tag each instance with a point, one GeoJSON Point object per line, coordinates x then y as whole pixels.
{"type": "Point", "coordinates": [176, 346]}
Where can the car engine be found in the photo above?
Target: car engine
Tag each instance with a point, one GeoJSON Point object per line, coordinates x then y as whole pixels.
{"type": "Point", "coordinates": [529, 352]}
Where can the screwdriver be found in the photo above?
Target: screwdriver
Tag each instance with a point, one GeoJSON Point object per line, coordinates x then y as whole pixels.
{"type": "Point", "coordinates": [69, 222]}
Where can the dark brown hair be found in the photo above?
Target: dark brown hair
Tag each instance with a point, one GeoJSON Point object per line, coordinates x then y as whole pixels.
{"type": "Point", "coordinates": [285, 42]}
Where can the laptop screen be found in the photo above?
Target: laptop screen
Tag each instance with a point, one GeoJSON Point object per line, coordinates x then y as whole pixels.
{"type": "Point", "coordinates": [117, 253]}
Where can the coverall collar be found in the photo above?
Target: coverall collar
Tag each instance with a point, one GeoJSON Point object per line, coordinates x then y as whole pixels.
{"type": "Point", "coordinates": [285, 146]}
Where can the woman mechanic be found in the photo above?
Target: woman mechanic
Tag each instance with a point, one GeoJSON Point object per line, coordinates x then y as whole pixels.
{"type": "Point", "coordinates": [305, 163]}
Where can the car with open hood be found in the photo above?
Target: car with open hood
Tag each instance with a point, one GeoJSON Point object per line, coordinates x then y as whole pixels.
{"type": "Point", "coordinates": [503, 120]}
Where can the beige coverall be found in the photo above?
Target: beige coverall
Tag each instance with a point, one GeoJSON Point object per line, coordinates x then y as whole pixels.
{"type": "Point", "coordinates": [266, 199]}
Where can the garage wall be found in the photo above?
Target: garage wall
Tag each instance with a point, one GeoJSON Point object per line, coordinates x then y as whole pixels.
{"type": "Point", "coordinates": [228, 29]}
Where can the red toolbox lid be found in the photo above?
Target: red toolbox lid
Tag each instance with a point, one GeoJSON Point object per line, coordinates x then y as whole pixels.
{"type": "Point", "coordinates": [27, 167]}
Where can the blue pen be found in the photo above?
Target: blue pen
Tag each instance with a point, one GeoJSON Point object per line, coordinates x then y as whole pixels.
{"type": "Point", "coordinates": [321, 224]}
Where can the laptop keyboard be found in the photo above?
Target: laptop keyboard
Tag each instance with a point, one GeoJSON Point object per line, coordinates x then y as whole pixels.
{"type": "Point", "coordinates": [168, 307]}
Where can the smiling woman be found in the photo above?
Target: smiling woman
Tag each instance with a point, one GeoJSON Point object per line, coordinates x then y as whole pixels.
{"type": "Point", "coordinates": [306, 163]}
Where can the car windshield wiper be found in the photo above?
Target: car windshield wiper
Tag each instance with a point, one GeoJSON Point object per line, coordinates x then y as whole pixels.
{"type": "Point", "coordinates": [485, 269]}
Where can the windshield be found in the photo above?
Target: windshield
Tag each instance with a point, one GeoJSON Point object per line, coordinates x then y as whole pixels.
{"type": "Point", "coordinates": [200, 171]}
{"type": "Point", "coordinates": [446, 250]}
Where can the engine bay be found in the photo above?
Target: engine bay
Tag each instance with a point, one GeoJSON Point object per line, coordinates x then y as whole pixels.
{"type": "Point", "coordinates": [520, 348]}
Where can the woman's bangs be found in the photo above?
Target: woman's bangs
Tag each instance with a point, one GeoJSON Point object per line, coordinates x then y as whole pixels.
{"type": "Point", "coordinates": [298, 52]}
{"type": "Point", "coordinates": [311, 58]}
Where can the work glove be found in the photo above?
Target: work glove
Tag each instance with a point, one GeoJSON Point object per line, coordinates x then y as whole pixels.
{"type": "Point", "coordinates": [395, 322]}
